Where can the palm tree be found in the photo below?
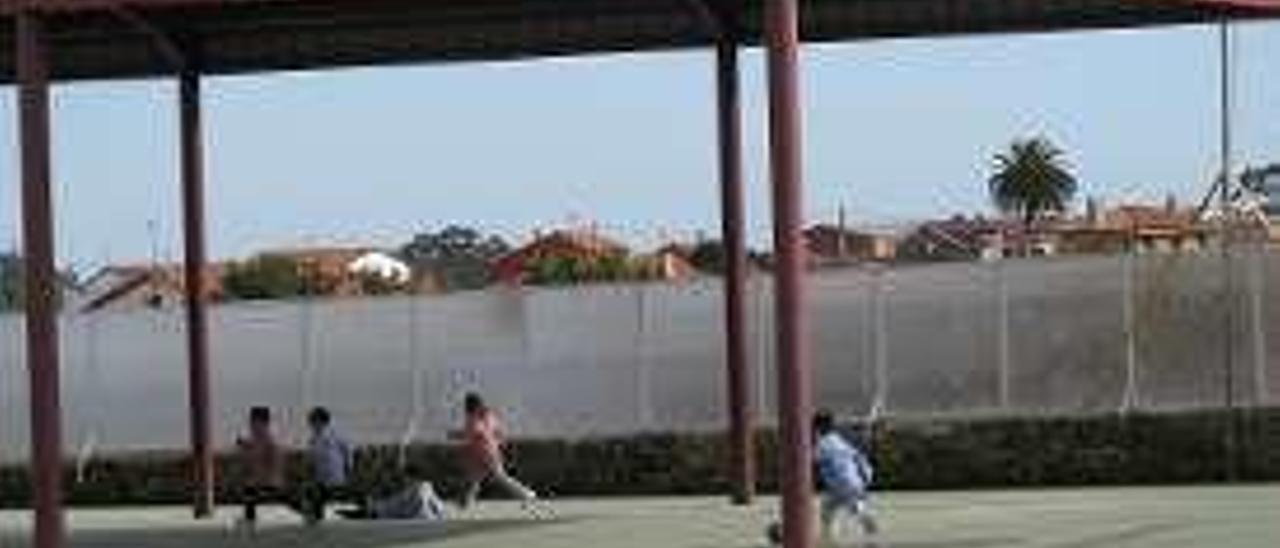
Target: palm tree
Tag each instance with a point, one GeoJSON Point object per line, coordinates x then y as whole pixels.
{"type": "Point", "coordinates": [1030, 179]}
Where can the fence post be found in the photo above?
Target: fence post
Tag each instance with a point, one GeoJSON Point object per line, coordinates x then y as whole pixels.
{"type": "Point", "coordinates": [644, 413]}
{"type": "Point", "coordinates": [881, 344]}
{"type": "Point", "coordinates": [1258, 288]}
{"type": "Point", "coordinates": [1002, 335]}
{"type": "Point", "coordinates": [765, 328]}
{"type": "Point", "coordinates": [1129, 399]}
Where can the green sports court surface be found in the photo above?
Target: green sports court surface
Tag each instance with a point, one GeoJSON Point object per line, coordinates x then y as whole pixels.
{"type": "Point", "coordinates": [1214, 517]}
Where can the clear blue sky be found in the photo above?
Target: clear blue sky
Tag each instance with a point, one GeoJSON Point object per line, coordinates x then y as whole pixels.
{"type": "Point", "coordinates": [895, 130]}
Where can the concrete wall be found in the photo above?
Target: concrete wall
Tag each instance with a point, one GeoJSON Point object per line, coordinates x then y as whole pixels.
{"type": "Point", "coordinates": [618, 359]}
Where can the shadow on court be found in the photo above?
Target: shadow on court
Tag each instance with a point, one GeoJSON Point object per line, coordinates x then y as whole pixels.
{"type": "Point", "coordinates": [1126, 535]}
{"type": "Point", "coordinates": [936, 543]}
{"type": "Point", "coordinates": [952, 543]}
{"type": "Point", "coordinates": [383, 534]}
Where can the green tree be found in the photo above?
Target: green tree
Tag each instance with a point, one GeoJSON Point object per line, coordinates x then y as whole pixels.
{"type": "Point", "coordinates": [559, 271]}
{"type": "Point", "coordinates": [712, 257]}
{"type": "Point", "coordinates": [709, 256]}
{"type": "Point", "coordinates": [264, 278]}
{"type": "Point", "coordinates": [11, 279]}
{"type": "Point", "coordinates": [552, 271]}
{"type": "Point", "coordinates": [611, 269]}
{"type": "Point", "coordinates": [459, 255]}
{"type": "Point", "coordinates": [1031, 178]}
{"type": "Point", "coordinates": [1254, 178]}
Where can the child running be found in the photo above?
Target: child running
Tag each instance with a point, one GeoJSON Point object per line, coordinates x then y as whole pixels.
{"type": "Point", "coordinates": [263, 464]}
{"type": "Point", "coordinates": [845, 476]}
{"type": "Point", "coordinates": [842, 478]}
{"type": "Point", "coordinates": [482, 441]}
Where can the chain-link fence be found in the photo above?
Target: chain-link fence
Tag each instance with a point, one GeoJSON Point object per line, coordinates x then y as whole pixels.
{"type": "Point", "coordinates": [1054, 335]}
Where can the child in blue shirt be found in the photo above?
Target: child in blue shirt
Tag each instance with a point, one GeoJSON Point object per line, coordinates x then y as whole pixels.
{"type": "Point", "coordinates": [330, 457]}
{"type": "Point", "coordinates": [842, 476]}
{"type": "Point", "coordinates": [845, 476]}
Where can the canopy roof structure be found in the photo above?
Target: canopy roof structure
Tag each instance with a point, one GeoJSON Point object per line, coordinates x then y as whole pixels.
{"type": "Point", "coordinates": [108, 39]}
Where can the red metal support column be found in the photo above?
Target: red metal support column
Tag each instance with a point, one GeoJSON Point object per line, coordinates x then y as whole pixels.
{"type": "Point", "coordinates": [741, 428]}
{"type": "Point", "coordinates": [795, 392]}
{"type": "Point", "coordinates": [41, 283]}
{"type": "Point", "coordinates": [193, 270]}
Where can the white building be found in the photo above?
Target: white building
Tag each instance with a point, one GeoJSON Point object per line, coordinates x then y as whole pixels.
{"type": "Point", "coordinates": [381, 265]}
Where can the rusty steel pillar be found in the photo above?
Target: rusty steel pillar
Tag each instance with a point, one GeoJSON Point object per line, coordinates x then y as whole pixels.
{"type": "Point", "coordinates": [742, 467]}
{"type": "Point", "coordinates": [193, 237]}
{"type": "Point", "coordinates": [41, 280]}
{"type": "Point", "coordinates": [794, 387]}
